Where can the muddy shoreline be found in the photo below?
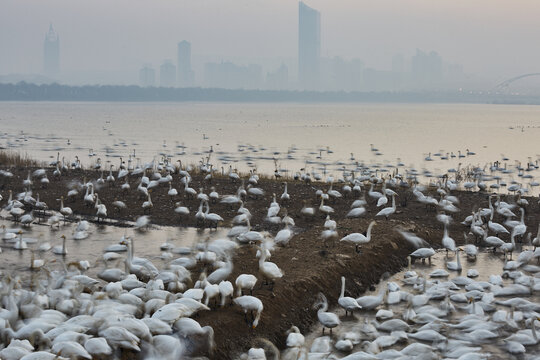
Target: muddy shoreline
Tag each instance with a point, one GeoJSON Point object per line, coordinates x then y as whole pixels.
{"type": "Point", "coordinates": [308, 265]}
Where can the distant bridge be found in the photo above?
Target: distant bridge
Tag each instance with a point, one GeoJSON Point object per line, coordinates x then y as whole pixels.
{"type": "Point", "coordinates": [505, 84]}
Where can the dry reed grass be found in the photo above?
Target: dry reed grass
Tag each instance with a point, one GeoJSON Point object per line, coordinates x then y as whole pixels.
{"type": "Point", "coordinates": [12, 158]}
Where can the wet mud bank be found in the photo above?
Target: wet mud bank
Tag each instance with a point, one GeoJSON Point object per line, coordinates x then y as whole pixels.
{"type": "Point", "coordinates": [309, 265]}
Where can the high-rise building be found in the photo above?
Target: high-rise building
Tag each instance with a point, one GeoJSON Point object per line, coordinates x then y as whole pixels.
{"type": "Point", "coordinates": [278, 79]}
{"type": "Point", "coordinates": [426, 69]}
{"type": "Point", "coordinates": [227, 75]}
{"type": "Point", "coordinates": [167, 74]}
{"type": "Point", "coordinates": [147, 76]}
{"type": "Point", "coordinates": [309, 47]}
{"type": "Point", "coordinates": [185, 74]}
{"type": "Point", "coordinates": [51, 53]}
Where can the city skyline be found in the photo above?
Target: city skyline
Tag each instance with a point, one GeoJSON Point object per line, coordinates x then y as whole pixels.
{"type": "Point", "coordinates": [351, 32]}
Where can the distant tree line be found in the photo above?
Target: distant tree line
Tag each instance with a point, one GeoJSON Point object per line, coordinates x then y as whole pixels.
{"type": "Point", "coordinates": [55, 92]}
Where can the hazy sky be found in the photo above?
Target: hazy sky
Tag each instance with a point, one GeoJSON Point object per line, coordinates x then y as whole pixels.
{"type": "Point", "coordinates": [493, 38]}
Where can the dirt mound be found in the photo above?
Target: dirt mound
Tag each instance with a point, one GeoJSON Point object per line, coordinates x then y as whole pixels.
{"type": "Point", "coordinates": [310, 267]}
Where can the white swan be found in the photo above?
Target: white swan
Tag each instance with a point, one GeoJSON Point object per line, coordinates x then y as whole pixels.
{"type": "Point", "coordinates": [64, 210]}
{"type": "Point", "coordinates": [213, 218]}
{"type": "Point", "coordinates": [147, 205]}
{"type": "Point", "coordinates": [346, 302]}
{"type": "Point", "coordinates": [455, 266]}
{"type": "Point", "coordinates": [374, 194]}
{"type": "Point", "coordinates": [423, 253]}
{"type": "Point", "coordinates": [172, 191]}
{"type": "Point", "coordinates": [285, 196]}
{"type": "Point", "coordinates": [245, 282]}
{"type": "Point", "coordinates": [284, 236]}
{"type": "Point", "coordinates": [251, 304]}
{"type": "Point", "coordinates": [327, 319]}
{"type": "Point", "coordinates": [268, 270]}
{"type": "Point", "coordinates": [181, 210]}
{"type": "Point", "coordinates": [356, 212]}
{"type": "Point", "coordinates": [20, 244]}
{"type": "Point", "coordinates": [359, 239]}
{"type": "Point", "coordinates": [370, 302]}
{"type": "Point", "coordinates": [386, 212]}
{"type": "Point", "coordinates": [60, 249]}
{"type": "Point", "coordinates": [448, 243]}
{"type": "Point", "coordinates": [6, 235]}
{"type": "Point", "coordinates": [325, 209]}
{"type": "Point", "coordinates": [307, 211]}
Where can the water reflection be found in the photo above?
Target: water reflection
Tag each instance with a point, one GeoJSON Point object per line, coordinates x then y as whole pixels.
{"type": "Point", "coordinates": [148, 243]}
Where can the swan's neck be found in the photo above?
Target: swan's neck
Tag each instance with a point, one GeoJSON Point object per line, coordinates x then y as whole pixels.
{"type": "Point", "coordinates": [130, 250]}
{"type": "Point", "coordinates": [368, 234]}
{"type": "Point", "coordinates": [382, 293]}
{"type": "Point", "coordinates": [262, 259]}
{"type": "Point", "coordinates": [342, 288]}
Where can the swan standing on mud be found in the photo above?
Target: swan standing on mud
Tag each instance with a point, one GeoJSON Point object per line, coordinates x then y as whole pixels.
{"type": "Point", "coordinates": [250, 304]}
{"type": "Point", "coordinates": [327, 319]}
{"type": "Point", "coordinates": [359, 239]}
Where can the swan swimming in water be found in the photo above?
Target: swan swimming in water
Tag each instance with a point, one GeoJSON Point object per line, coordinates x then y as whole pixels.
{"type": "Point", "coordinates": [60, 249]}
{"type": "Point", "coordinates": [455, 266]}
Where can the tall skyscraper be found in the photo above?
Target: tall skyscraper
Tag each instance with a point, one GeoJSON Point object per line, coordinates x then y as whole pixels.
{"type": "Point", "coordinates": [426, 69]}
{"type": "Point", "coordinates": [185, 74]}
{"type": "Point", "coordinates": [309, 47]}
{"type": "Point", "coordinates": [51, 53]}
{"type": "Point", "coordinates": [147, 76]}
{"type": "Point", "coordinates": [167, 74]}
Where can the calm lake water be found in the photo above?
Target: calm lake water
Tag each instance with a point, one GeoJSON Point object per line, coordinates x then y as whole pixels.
{"type": "Point", "coordinates": [249, 135]}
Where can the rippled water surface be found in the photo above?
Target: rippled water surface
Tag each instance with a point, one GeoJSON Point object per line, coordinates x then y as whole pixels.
{"type": "Point", "coordinates": [254, 134]}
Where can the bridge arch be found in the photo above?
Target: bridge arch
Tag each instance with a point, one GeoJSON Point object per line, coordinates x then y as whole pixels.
{"type": "Point", "coordinates": [505, 84]}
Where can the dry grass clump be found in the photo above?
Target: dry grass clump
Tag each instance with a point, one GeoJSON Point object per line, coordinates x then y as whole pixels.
{"type": "Point", "coordinates": [13, 158]}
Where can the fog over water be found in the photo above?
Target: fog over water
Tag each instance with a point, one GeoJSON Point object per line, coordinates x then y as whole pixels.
{"type": "Point", "coordinates": [104, 42]}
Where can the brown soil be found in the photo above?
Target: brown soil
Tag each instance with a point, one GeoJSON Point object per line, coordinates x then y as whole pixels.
{"type": "Point", "coordinates": [309, 266]}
